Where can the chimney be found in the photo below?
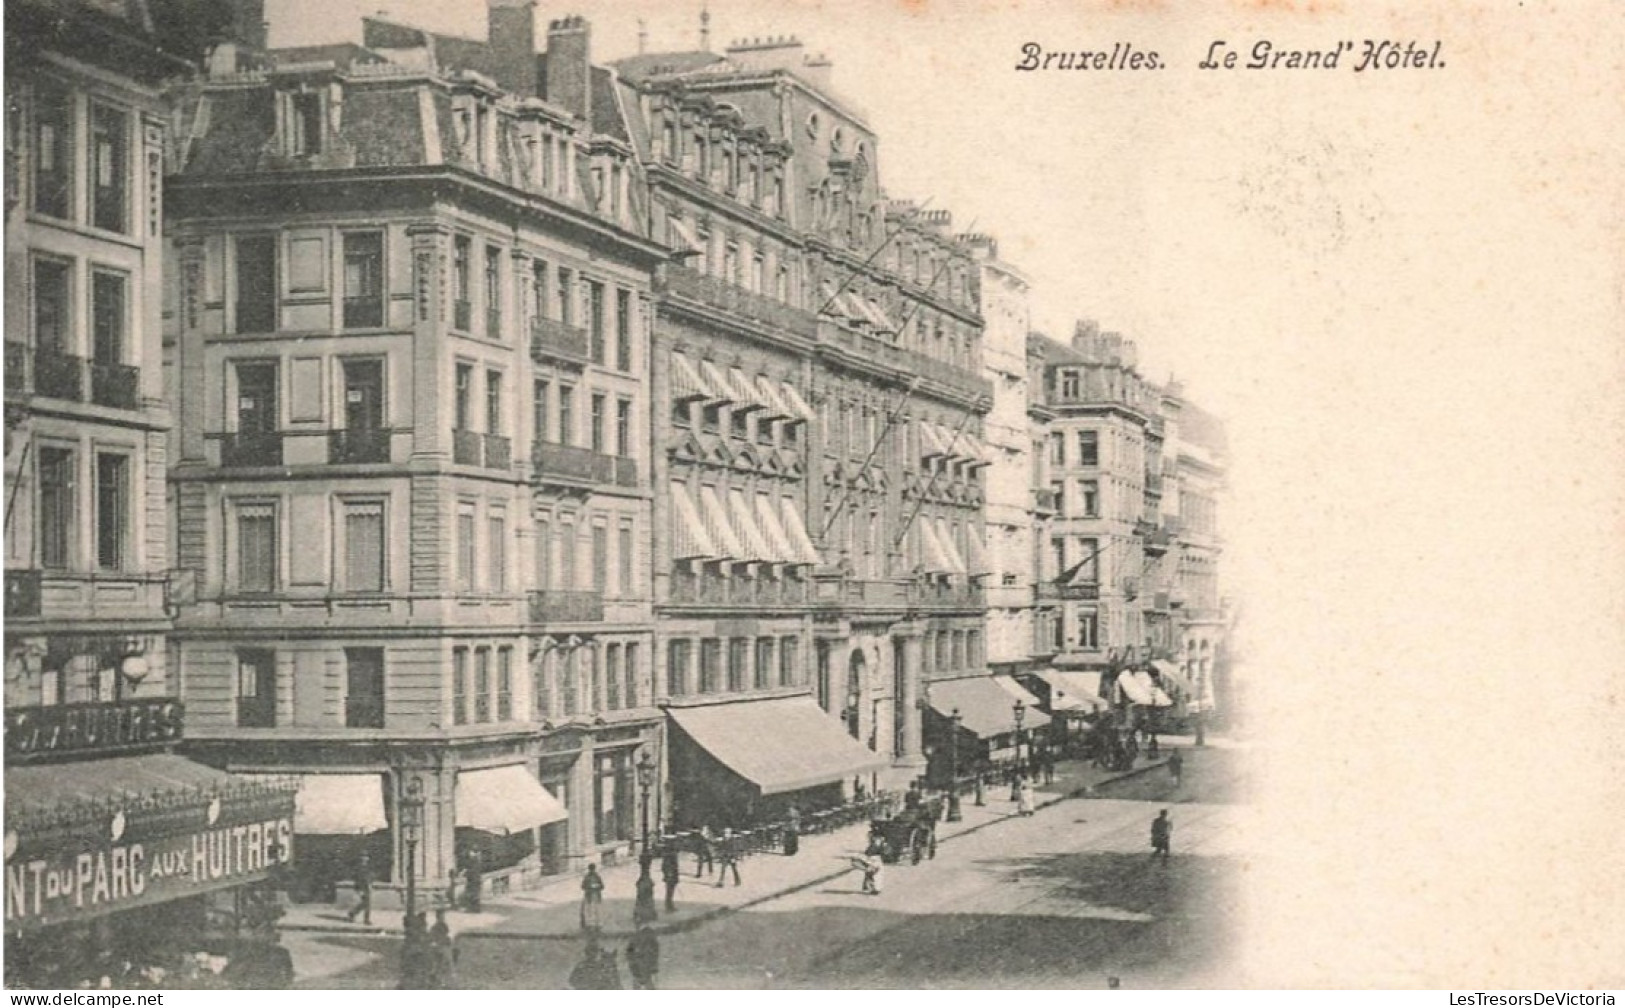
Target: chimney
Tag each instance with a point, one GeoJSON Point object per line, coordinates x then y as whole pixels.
{"type": "Point", "coordinates": [775, 52]}
{"type": "Point", "coordinates": [569, 65]}
{"type": "Point", "coordinates": [511, 35]}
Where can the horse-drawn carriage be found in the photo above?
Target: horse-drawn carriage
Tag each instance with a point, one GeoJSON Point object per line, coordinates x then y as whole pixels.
{"type": "Point", "coordinates": [909, 834]}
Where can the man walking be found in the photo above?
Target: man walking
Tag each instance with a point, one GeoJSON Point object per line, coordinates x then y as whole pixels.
{"type": "Point", "coordinates": [643, 958]}
{"type": "Point", "coordinates": [592, 900]}
{"type": "Point", "coordinates": [363, 891]}
{"type": "Point", "coordinates": [1162, 836]}
{"type": "Point", "coordinates": [1176, 766]}
{"type": "Point", "coordinates": [728, 849]}
{"type": "Point", "coordinates": [670, 873]}
{"type": "Point", "coordinates": [705, 848]}
{"type": "Point", "coordinates": [792, 831]}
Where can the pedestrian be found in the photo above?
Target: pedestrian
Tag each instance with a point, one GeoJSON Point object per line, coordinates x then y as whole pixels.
{"type": "Point", "coordinates": [1176, 766]}
{"type": "Point", "coordinates": [871, 874]}
{"type": "Point", "coordinates": [1153, 749]}
{"type": "Point", "coordinates": [643, 958]}
{"type": "Point", "coordinates": [792, 831]}
{"type": "Point", "coordinates": [592, 900]}
{"type": "Point", "coordinates": [981, 788]}
{"type": "Point", "coordinates": [473, 881]}
{"type": "Point", "coordinates": [728, 850]}
{"type": "Point", "coordinates": [1162, 836]}
{"type": "Point", "coordinates": [1049, 767]}
{"type": "Point", "coordinates": [705, 851]}
{"type": "Point", "coordinates": [671, 873]}
{"type": "Point", "coordinates": [363, 890]}
{"type": "Point", "coordinates": [643, 906]}
{"type": "Point", "coordinates": [1024, 801]}
{"type": "Point", "coordinates": [442, 964]}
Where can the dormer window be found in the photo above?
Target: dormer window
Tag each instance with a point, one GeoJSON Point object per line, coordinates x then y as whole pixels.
{"type": "Point", "coordinates": [668, 141]}
{"type": "Point", "coordinates": [302, 122]}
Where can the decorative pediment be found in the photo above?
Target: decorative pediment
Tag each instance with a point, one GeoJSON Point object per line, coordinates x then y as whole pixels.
{"type": "Point", "coordinates": [746, 460]}
{"type": "Point", "coordinates": [688, 449]}
{"type": "Point", "coordinates": [719, 454]}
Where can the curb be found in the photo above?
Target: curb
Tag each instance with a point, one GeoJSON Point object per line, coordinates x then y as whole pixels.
{"type": "Point", "coordinates": [706, 917]}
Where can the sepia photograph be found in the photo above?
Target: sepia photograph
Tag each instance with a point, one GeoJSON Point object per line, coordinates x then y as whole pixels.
{"type": "Point", "coordinates": [814, 494]}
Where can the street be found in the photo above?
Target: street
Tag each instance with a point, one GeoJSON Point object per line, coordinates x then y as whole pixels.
{"type": "Point", "coordinates": [1065, 898]}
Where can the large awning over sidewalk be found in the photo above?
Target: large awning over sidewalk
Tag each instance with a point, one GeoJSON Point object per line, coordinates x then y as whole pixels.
{"type": "Point", "coordinates": [1172, 675]}
{"type": "Point", "coordinates": [986, 708]}
{"type": "Point", "coordinates": [505, 800]}
{"type": "Point", "coordinates": [1139, 688]}
{"type": "Point", "coordinates": [779, 745]}
{"type": "Point", "coordinates": [1074, 691]}
{"type": "Point", "coordinates": [335, 804]}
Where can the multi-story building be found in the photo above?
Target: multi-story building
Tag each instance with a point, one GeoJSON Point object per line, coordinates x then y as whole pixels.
{"type": "Point", "coordinates": [1195, 459]}
{"type": "Point", "coordinates": [96, 803]}
{"type": "Point", "coordinates": [818, 422]}
{"type": "Point", "coordinates": [410, 320]}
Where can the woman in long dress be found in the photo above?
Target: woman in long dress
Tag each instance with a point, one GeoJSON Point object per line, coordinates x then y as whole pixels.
{"type": "Point", "coordinates": [1024, 800]}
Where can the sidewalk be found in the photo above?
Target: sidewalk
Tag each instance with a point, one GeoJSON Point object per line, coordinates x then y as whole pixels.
{"type": "Point", "coordinates": [552, 910]}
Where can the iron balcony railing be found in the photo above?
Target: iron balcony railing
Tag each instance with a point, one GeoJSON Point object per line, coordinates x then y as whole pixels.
{"type": "Point", "coordinates": [19, 365]}
{"type": "Point", "coordinates": [466, 447]}
{"type": "Point", "coordinates": [550, 338]}
{"type": "Point", "coordinates": [736, 300]}
{"type": "Point", "coordinates": [566, 606]}
{"type": "Point", "coordinates": [244, 449]}
{"type": "Point", "coordinates": [358, 445]}
{"type": "Point", "coordinates": [498, 451]}
{"type": "Point", "coordinates": [116, 385]}
{"type": "Point", "coordinates": [58, 375]}
{"type": "Point", "coordinates": [574, 464]}
{"type": "Point", "coordinates": [23, 592]}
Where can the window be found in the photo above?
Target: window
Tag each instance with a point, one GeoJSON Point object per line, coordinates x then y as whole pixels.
{"type": "Point", "coordinates": [1088, 628]}
{"type": "Point", "coordinates": [110, 167]}
{"type": "Point", "coordinates": [1089, 561]}
{"type": "Point", "coordinates": [541, 686]}
{"type": "Point", "coordinates": [631, 694]}
{"type": "Point", "coordinates": [305, 123]}
{"type": "Point", "coordinates": [624, 556]}
{"type": "Point", "coordinates": [256, 688]}
{"type": "Point", "coordinates": [364, 546]}
{"type": "Point", "coordinates": [595, 319]}
{"type": "Point", "coordinates": [257, 406]}
{"type": "Point", "coordinates": [623, 428]}
{"type": "Point", "coordinates": [567, 415]}
{"type": "Point", "coordinates": [493, 292]}
{"type": "Point", "coordinates": [789, 661]}
{"type": "Point", "coordinates": [539, 400]}
{"type": "Point", "coordinates": [739, 423]}
{"type": "Point", "coordinates": [710, 664]}
{"type": "Point", "coordinates": [461, 250]}
{"type": "Point", "coordinates": [465, 547]}
{"type": "Point", "coordinates": [1091, 498]}
{"type": "Point", "coordinates": [1069, 384]}
{"type": "Point", "coordinates": [566, 298]}
{"type": "Point", "coordinates": [764, 662]}
{"type": "Point", "coordinates": [567, 556]}
{"type": "Point", "coordinates": [738, 657]}
{"type": "Point", "coordinates": [497, 551]}
{"type": "Point", "coordinates": [568, 690]}
{"type": "Point", "coordinates": [57, 471]}
{"type": "Point", "coordinates": [493, 402]}
{"type": "Point", "coordinates": [623, 330]}
{"type": "Point", "coordinates": [1057, 449]}
{"type": "Point", "coordinates": [363, 280]}
{"type": "Point", "coordinates": [594, 699]}
{"type": "Point", "coordinates": [595, 423]}
{"type": "Point", "coordinates": [256, 283]}
{"type": "Point", "coordinates": [53, 150]}
{"type": "Point", "coordinates": [107, 317]}
{"type": "Point", "coordinates": [505, 684]}
{"type": "Point", "coordinates": [538, 288]}
{"type": "Point", "coordinates": [1088, 448]}
{"type": "Point", "coordinates": [364, 687]}
{"type": "Point", "coordinates": [711, 418]}
{"type": "Point", "coordinates": [53, 308]}
{"type": "Point", "coordinates": [612, 677]}
{"type": "Point", "coordinates": [256, 547]}
{"type": "Point", "coordinates": [459, 686]}
{"type": "Point", "coordinates": [544, 554]}
{"type": "Point", "coordinates": [463, 404]}
{"type": "Point", "coordinates": [600, 558]}
{"type": "Point", "coordinates": [482, 685]}
{"type": "Point", "coordinates": [112, 510]}
{"type": "Point", "coordinates": [679, 652]}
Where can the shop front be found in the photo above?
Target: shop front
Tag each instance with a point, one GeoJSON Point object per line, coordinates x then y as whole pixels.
{"type": "Point", "coordinates": [985, 708]}
{"type": "Point", "coordinates": [140, 867]}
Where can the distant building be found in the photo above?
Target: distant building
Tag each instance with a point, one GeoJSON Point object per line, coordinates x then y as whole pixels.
{"type": "Point", "coordinates": [411, 314]}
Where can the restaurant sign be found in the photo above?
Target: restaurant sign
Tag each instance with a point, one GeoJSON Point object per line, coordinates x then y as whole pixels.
{"type": "Point", "coordinates": [112, 872]}
{"type": "Point", "coordinates": [79, 729]}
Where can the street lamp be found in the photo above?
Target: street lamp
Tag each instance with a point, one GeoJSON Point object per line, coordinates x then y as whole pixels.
{"type": "Point", "coordinates": [644, 907]}
{"type": "Point", "coordinates": [953, 768]}
{"type": "Point", "coordinates": [1020, 711]}
{"type": "Point", "coordinates": [411, 824]}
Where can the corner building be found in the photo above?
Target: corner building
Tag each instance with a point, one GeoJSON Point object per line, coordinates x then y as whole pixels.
{"type": "Point", "coordinates": [817, 415]}
{"type": "Point", "coordinates": [410, 307]}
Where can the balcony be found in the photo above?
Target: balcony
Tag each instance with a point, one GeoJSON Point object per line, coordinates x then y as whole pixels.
{"type": "Point", "coordinates": [358, 446]}
{"type": "Point", "coordinates": [364, 712]}
{"type": "Point", "coordinates": [116, 385]}
{"type": "Point", "coordinates": [554, 340]}
{"type": "Point", "coordinates": [562, 606]}
{"type": "Point", "coordinates": [708, 587]}
{"type": "Point", "coordinates": [576, 466]}
{"type": "Point", "coordinates": [1050, 591]}
{"type": "Point", "coordinates": [948, 595]}
{"type": "Point", "coordinates": [466, 447]}
{"type": "Point", "coordinates": [626, 471]}
{"type": "Point", "coordinates": [364, 312]}
{"type": "Point", "coordinates": [498, 451]}
{"type": "Point", "coordinates": [715, 292]}
{"type": "Point", "coordinates": [59, 376]}
{"type": "Point", "coordinates": [875, 593]}
{"type": "Point", "coordinates": [245, 449]}
{"type": "Point", "coordinates": [18, 358]}
{"type": "Point", "coordinates": [904, 361]}
{"type": "Point", "coordinates": [23, 592]}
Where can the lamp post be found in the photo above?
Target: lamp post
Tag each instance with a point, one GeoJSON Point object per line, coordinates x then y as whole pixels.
{"type": "Point", "coordinates": [1020, 710]}
{"type": "Point", "coordinates": [643, 910]}
{"type": "Point", "coordinates": [411, 823]}
{"type": "Point", "coordinates": [953, 767]}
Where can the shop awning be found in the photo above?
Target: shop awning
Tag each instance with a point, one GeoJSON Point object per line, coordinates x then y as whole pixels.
{"type": "Point", "coordinates": [1171, 673]}
{"type": "Point", "coordinates": [335, 804]}
{"type": "Point", "coordinates": [719, 527]}
{"type": "Point", "coordinates": [796, 527]}
{"type": "Point", "coordinates": [31, 789]}
{"type": "Point", "coordinates": [779, 745]}
{"type": "Point", "coordinates": [1017, 692]}
{"type": "Point", "coordinates": [793, 399]}
{"type": "Point", "coordinates": [505, 800]}
{"type": "Point", "coordinates": [744, 525]}
{"type": "Point", "coordinates": [1139, 688]}
{"type": "Point", "coordinates": [986, 709]}
{"type": "Point", "coordinates": [690, 540]}
{"type": "Point", "coordinates": [767, 519]}
{"type": "Point", "coordinates": [1074, 691]}
{"type": "Point", "coordinates": [688, 383]}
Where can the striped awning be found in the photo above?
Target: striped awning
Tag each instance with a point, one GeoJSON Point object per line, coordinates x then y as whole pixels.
{"type": "Point", "coordinates": [767, 390]}
{"type": "Point", "coordinates": [976, 558]}
{"type": "Point", "coordinates": [718, 381]}
{"type": "Point", "coordinates": [951, 547]}
{"type": "Point", "coordinates": [683, 237]}
{"type": "Point", "coordinates": [744, 525]}
{"type": "Point", "coordinates": [793, 399]}
{"type": "Point", "coordinates": [688, 382]}
{"type": "Point", "coordinates": [718, 526]}
{"type": "Point", "coordinates": [931, 443]}
{"type": "Point", "coordinates": [690, 540]}
{"type": "Point", "coordinates": [1171, 674]}
{"type": "Point", "coordinates": [1079, 691]}
{"type": "Point", "coordinates": [796, 527]}
{"type": "Point", "coordinates": [767, 519]}
{"type": "Point", "coordinates": [746, 396]}
{"type": "Point", "coordinates": [934, 555]}
{"type": "Point", "coordinates": [876, 316]}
